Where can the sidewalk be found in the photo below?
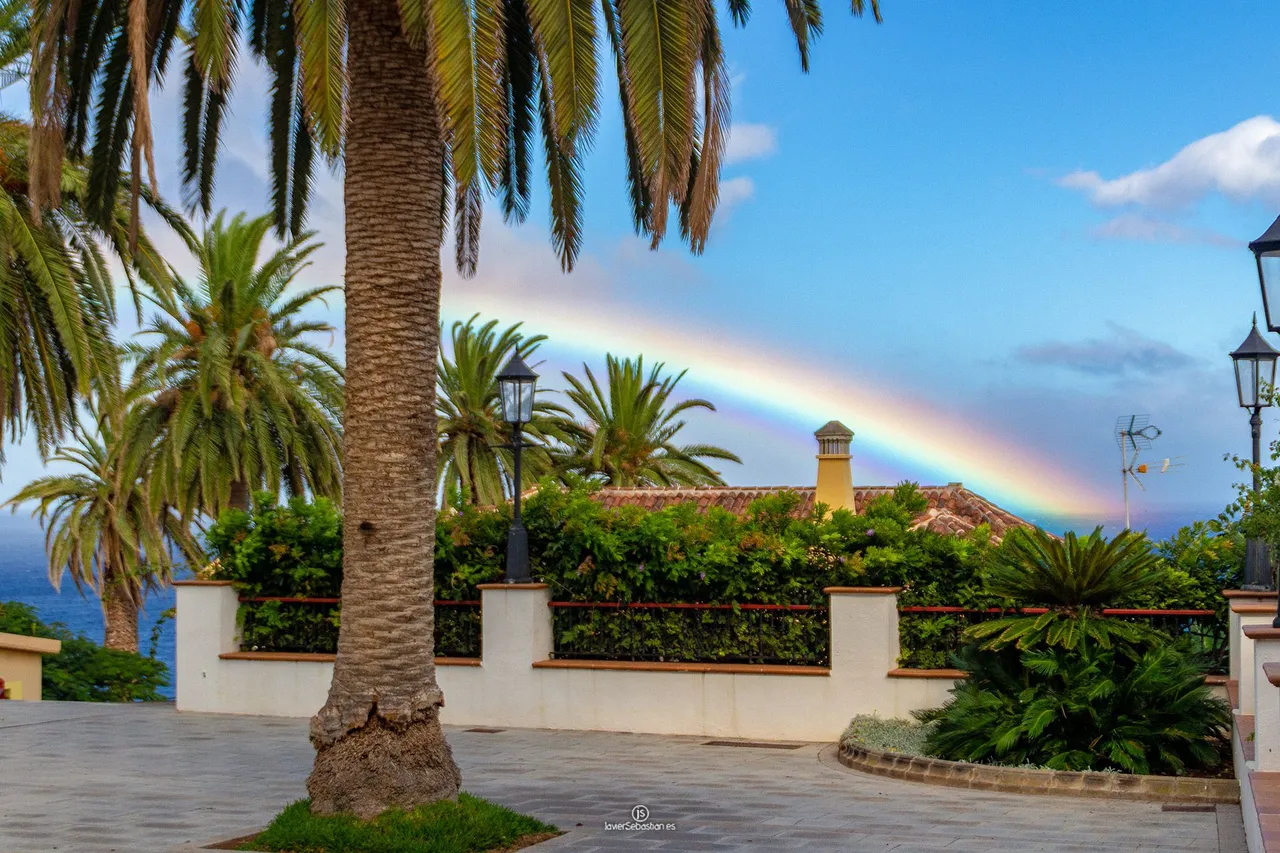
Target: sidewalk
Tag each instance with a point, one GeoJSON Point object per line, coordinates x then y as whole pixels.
{"type": "Point", "coordinates": [141, 778]}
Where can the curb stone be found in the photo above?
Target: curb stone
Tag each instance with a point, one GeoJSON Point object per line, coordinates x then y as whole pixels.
{"type": "Point", "coordinates": [1021, 780]}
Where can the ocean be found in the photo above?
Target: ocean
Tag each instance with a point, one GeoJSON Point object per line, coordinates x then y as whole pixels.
{"type": "Point", "coordinates": [24, 576]}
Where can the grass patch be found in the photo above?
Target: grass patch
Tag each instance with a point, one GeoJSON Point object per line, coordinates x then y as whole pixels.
{"type": "Point", "coordinates": [470, 825]}
{"type": "Point", "coordinates": [902, 736]}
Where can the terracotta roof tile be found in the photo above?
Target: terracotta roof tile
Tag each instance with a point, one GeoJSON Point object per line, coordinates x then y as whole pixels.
{"type": "Point", "coordinates": [952, 509]}
{"type": "Point", "coordinates": [735, 499]}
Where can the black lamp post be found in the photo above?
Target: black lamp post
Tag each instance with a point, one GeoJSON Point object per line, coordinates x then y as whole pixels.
{"type": "Point", "coordinates": [516, 384]}
{"type": "Point", "coordinates": [1255, 363]}
{"type": "Point", "coordinates": [1266, 250]}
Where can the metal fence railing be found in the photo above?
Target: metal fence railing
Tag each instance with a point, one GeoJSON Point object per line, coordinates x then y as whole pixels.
{"type": "Point", "coordinates": [289, 624]}
{"type": "Point", "coordinates": [785, 634]}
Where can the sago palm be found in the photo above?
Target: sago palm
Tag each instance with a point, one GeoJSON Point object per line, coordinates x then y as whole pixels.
{"type": "Point", "coordinates": [100, 527]}
{"type": "Point", "coordinates": [57, 300]}
{"type": "Point", "coordinates": [475, 456]}
{"type": "Point", "coordinates": [241, 398]}
{"type": "Point", "coordinates": [631, 425]}
{"type": "Point", "coordinates": [429, 105]}
{"type": "Point", "coordinates": [1075, 578]}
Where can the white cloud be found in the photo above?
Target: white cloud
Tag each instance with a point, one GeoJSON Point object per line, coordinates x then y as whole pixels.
{"type": "Point", "coordinates": [1145, 229]}
{"type": "Point", "coordinates": [1242, 163]}
{"type": "Point", "coordinates": [733, 192]}
{"type": "Point", "coordinates": [750, 142]}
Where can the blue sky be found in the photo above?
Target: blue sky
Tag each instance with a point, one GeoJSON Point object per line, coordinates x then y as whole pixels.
{"type": "Point", "coordinates": [980, 209]}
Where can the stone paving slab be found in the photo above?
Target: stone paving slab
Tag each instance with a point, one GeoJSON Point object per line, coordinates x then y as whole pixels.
{"type": "Point", "coordinates": [142, 778]}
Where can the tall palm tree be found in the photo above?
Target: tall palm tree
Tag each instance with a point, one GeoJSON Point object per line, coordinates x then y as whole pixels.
{"type": "Point", "coordinates": [57, 301]}
{"type": "Point", "coordinates": [100, 528]}
{"type": "Point", "coordinates": [242, 398]}
{"type": "Point", "coordinates": [629, 437]}
{"type": "Point", "coordinates": [429, 105]}
{"type": "Point", "coordinates": [475, 459]}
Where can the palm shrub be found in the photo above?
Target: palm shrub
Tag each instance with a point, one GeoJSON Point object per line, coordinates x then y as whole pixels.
{"type": "Point", "coordinates": [1071, 689]}
{"type": "Point", "coordinates": [1074, 577]}
{"type": "Point", "coordinates": [1087, 709]}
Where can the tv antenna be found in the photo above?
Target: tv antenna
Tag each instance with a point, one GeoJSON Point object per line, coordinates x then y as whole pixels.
{"type": "Point", "coordinates": [1134, 434]}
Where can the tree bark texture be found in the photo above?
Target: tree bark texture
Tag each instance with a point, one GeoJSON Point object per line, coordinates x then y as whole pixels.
{"type": "Point", "coordinates": [119, 611]}
{"type": "Point", "coordinates": [378, 738]}
{"type": "Point", "coordinates": [239, 495]}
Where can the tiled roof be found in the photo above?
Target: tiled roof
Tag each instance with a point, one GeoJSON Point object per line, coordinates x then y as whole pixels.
{"type": "Point", "coordinates": [952, 509]}
{"type": "Point", "coordinates": [733, 498]}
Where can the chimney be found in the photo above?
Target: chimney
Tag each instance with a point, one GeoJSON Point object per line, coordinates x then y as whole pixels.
{"type": "Point", "coordinates": [835, 481]}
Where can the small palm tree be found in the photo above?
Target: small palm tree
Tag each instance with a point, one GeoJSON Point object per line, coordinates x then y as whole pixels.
{"type": "Point", "coordinates": [1075, 578]}
{"type": "Point", "coordinates": [475, 460]}
{"type": "Point", "coordinates": [240, 399]}
{"type": "Point", "coordinates": [99, 525]}
{"type": "Point", "coordinates": [57, 300]}
{"type": "Point", "coordinates": [628, 439]}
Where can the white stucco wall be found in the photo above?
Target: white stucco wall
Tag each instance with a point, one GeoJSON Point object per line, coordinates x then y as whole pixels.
{"type": "Point", "coordinates": [1241, 661]}
{"type": "Point", "coordinates": [507, 689]}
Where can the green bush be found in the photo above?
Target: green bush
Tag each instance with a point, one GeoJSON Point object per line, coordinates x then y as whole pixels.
{"type": "Point", "coordinates": [588, 552]}
{"type": "Point", "coordinates": [1085, 709]}
{"type": "Point", "coordinates": [1071, 689]}
{"type": "Point", "coordinates": [591, 553]}
{"type": "Point", "coordinates": [293, 550]}
{"type": "Point", "coordinates": [85, 671]}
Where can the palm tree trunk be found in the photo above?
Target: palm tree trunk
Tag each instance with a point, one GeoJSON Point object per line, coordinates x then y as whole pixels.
{"type": "Point", "coordinates": [239, 495]}
{"type": "Point", "coordinates": [378, 738]}
{"type": "Point", "coordinates": [120, 611]}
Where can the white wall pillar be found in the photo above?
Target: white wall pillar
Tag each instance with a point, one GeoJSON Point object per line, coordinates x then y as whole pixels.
{"type": "Point", "coordinates": [516, 625]}
{"type": "Point", "coordinates": [864, 630]}
{"type": "Point", "coordinates": [1246, 609]}
{"type": "Point", "coordinates": [515, 633]}
{"type": "Point", "coordinates": [205, 626]}
{"type": "Point", "coordinates": [1266, 706]}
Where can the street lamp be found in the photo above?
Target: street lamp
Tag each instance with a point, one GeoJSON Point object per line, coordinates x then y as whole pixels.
{"type": "Point", "coordinates": [1266, 251]}
{"type": "Point", "coordinates": [516, 385]}
{"type": "Point", "coordinates": [1255, 363]}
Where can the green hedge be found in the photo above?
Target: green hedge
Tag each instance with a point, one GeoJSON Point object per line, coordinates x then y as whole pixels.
{"type": "Point", "coordinates": [85, 671]}
{"type": "Point", "coordinates": [591, 553]}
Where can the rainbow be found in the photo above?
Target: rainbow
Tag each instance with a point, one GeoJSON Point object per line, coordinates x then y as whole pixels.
{"type": "Point", "coordinates": [887, 422]}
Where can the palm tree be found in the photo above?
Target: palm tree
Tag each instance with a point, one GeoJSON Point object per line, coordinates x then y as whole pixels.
{"type": "Point", "coordinates": [429, 107]}
{"type": "Point", "coordinates": [475, 460]}
{"type": "Point", "coordinates": [99, 525]}
{"type": "Point", "coordinates": [243, 400]}
{"type": "Point", "coordinates": [15, 41]}
{"type": "Point", "coordinates": [57, 300]}
{"type": "Point", "coordinates": [629, 436]}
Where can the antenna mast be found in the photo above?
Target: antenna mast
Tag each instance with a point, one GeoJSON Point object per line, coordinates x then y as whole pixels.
{"type": "Point", "coordinates": [1134, 434]}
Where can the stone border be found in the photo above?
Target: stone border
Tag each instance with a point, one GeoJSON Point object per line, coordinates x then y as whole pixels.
{"type": "Point", "coordinates": [1019, 780]}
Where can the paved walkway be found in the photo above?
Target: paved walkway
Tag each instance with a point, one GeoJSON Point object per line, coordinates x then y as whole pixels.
{"type": "Point", "coordinates": [144, 778]}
